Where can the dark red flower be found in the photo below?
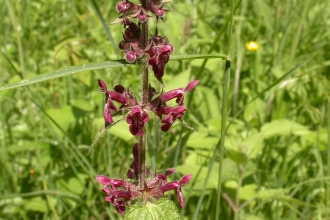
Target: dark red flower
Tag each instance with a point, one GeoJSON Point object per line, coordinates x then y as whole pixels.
{"type": "Point", "coordinates": [123, 6]}
{"type": "Point", "coordinates": [126, 8]}
{"type": "Point", "coordinates": [119, 95]}
{"type": "Point", "coordinates": [178, 93]}
{"type": "Point", "coordinates": [159, 106]}
{"type": "Point", "coordinates": [159, 51]}
{"type": "Point", "coordinates": [156, 7]}
{"type": "Point", "coordinates": [136, 119]}
{"type": "Point", "coordinates": [172, 114]}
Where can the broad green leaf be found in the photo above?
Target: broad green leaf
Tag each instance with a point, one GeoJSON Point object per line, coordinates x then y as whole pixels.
{"type": "Point", "coordinates": [62, 116]}
{"type": "Point", "coordinates": [248, 192]}
{"type": "Point", "coordinates": [229, 170]}
{"type": "Point", "coordinates": [94, 66]}
{"type": "Point", "coordinates": [270, 194]}
{"type": "Point", "coordinates": [237, 156]}
{"type": "Point", "coordinates": [199, 140]}
{"type": "Point", "coordinates": [283, 127]}
{"type": "Point", "coordinates": [75, 186]}
{"type": "Point", "coordinates": [254, 144]}
{"type": "Point", "coordinates": [231, 184]}
{"type": "Point", "coordinates": [254, 217]}
{"type": "Point", "coordinates": [36, 204]}
{"type": "Point", "coordinates": [82, 104]}
{"type": "Point", "coordinates": [162, 209]}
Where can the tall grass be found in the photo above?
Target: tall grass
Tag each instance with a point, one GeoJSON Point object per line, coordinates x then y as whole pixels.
{"type": "Point", "coordinates": [276, 161]}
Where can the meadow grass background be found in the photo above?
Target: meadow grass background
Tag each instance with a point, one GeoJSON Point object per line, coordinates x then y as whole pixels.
{"type": "Point", "coordinates": [277, 160]}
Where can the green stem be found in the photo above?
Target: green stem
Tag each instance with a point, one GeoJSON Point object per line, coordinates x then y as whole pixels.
{"type": "Point", "coordinates": [237, 201]}
{"type": "Point", "coordinates": [328, 157]}
{"type": "Point", "coordinates": [239, 59]}
{"type": "Point", "coordinates": [18, 29]}
{"type": "Point", "coordinates": [145, 96]}
{"type": "Point", "coordinates": [213, 46]}
{"type": "Point", "coordinates": [224, 111]}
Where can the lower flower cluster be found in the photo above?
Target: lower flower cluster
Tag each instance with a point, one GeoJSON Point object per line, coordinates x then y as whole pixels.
{"type": "Point", "coordinates": [120, 191]}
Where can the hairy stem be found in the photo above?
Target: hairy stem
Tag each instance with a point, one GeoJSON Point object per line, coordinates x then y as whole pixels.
{"type": "Point", "coordinates": [144, 90]}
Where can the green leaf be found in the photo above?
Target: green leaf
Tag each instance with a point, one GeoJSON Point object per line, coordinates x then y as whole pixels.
{"type": "Point", "coordinates": [283, 127]}
{"type": "Point", "coordinates": [237, 156]}
{"type": "Point", "coordinates": [199, 140]}
{"type": "Point", "coordinates": [162, 209]}
{"type": "Point", "coordinates": [254, 217]}
{"type": "Point", "coordinates": [254, 144]}
{"type": "Point", "coordinates": [36, 204]}
{"type": "Point", "coordinates": [270, 194]}
{"type": "Point", "coordinates": [82, 104]}
{"type": "Point", "coordinates": [248, 192]}
{"type": "Point", "coordinates": [62, 116]}
{"type": "Point", "coordinates": [94, 66]}
{"type": "Point", "coordinates": [75, 186]}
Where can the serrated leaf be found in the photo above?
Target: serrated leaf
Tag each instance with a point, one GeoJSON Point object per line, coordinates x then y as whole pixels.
{"type": "Point", "coordinates": [162, 209]}
{"type": "Point", "coordinates": [94, 66]}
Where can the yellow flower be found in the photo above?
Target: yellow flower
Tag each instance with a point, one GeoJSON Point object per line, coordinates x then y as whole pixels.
{"type": "Point", "coordinates": [252, 46]}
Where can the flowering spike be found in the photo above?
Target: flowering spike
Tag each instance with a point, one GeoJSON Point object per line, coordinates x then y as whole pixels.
{"type": "Point", "coordinates": [157, 50]}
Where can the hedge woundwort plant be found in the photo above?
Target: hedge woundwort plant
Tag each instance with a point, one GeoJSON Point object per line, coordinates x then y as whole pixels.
{"type": "Point", "coordinates": [141, 185]}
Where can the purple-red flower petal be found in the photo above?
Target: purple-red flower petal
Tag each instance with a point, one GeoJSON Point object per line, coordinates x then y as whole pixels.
{"type": "Point", "coordinates": [185, 179]}
{"type": "Point", "coordinates": [172, 116]}
{"type": "Point", "coordinates": [123, 6]}
{"type": "Point", "coordinates": [130, 57]}
{"type": "Point", "coordinates": [179, 194]}
{"type": "Point", "coordinates": [137, 118]}
{"type": "Point", "coordinates": [169, 171]}
{"type": "Point", "coordinates": [191, 85]}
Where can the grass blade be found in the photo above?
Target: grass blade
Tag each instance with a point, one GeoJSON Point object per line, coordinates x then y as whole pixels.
{"type": "Point", "coordinates": [94, 66]}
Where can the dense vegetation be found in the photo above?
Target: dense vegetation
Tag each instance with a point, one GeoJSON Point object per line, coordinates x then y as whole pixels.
{"type": "Point", "coordinates": [277, 161]}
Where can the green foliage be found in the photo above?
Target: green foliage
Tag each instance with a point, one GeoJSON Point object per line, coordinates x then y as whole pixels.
{"type": "Point", "coordinates": [162, 209]}
{"type": "Point", "coordinates": [276, 164]}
